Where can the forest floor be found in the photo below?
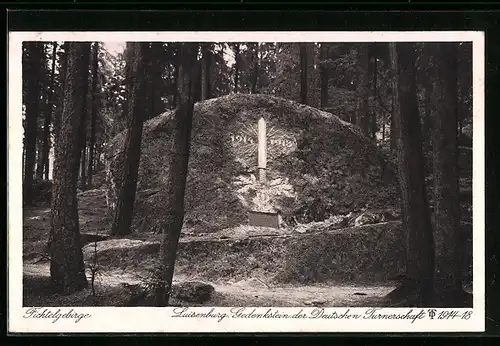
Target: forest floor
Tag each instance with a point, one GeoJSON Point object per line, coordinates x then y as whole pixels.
{"type": "Point", "coordinates": [112, 286]}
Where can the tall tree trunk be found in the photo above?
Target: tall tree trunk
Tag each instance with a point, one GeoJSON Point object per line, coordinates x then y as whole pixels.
{"type": "Point", "coordinates": [374, 112]}
{"type": "Point", "coordinates": [417, 289]}
{"type": "Point", "coordinates": [62, 78]}
{"type": "Point", "coordinates": [156, 82]}
{"type": "Point", "coordinates": [39, 149]}
{"type": "Point", "coordinates": [175, 98]}
{"type": "Point", "coordinates": [323, 76]}
{"type": "Point", "coordinates": [33, 79]}
{"type": "Point", "coordinates": [83, 164]}
{"type": "Point", "coordinates": [178, 169]}
{"type": "Point", "coordinates": [393, 129]}
{"type": "Point", "coordinates": [427, 85]}
{"type": "Point", "coordinates": [449, 243]}
{"type": "Point", "coordinates": [93, 114]}
{"type": "Point", "coordinates": [362, 88]}
{"type": "Point", "coordinates": [206, 71]}
{"type": "Point", "coordinates": [48, 113]}
{"type": "Point", "coordinates": [303, 72]}
{"type": "Point", "coordinates": [255, 72]}
{"type": "Point", "coordinates": [236, 49]}
{"type": "Point", "coordinates": [67, 269]}
{"type": "Point", "coordinates": [84, 126]}
{"type": "Point", "coordinates": [122, 220]}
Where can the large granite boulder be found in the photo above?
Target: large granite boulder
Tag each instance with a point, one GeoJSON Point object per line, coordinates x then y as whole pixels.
{"type": "Point", "coordinates": [317, 166]}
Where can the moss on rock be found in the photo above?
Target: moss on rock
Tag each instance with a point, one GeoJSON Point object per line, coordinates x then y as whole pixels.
{"type": "Point", "coordinates": [334, 169]}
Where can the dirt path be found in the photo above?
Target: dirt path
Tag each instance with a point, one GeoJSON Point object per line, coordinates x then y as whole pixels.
{"type": "Point", "coordinates": [253, 292]}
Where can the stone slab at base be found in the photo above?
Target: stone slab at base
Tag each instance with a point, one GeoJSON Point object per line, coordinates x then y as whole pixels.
{"type": "Point", "coordinates": [262, 219]}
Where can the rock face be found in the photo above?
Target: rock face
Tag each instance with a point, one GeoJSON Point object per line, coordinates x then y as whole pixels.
{"type": "Point", "coordinates": [317, 165]}
{"type": "Point", "coordinates": [193, 291]}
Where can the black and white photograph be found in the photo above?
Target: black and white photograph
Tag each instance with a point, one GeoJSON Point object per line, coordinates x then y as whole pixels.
{"type": "Point", "coordinates": [228, 177]}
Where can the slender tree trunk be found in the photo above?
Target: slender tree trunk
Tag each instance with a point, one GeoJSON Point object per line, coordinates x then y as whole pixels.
{"type": "Point", "coordinates": [374, 112]}
{"type": "Point", "coordinates": [449, 243]}
{"type": "Point", "coordinates": [362, 88]}
{"type": "Point", "coordinates": [393, 129]}
{"type": "Point", "coordinates": [255, 72]}
{"type": "Point", "coordinates": [176, 83]}
{"type": "Point", "coordinates": [84, 126]}
{"type": "Point", "coordinates": [62, 78]}
{"type": "Point", "coordinates": [67, 269]}
{"type": "Point", "coordinates": [303, 73]}
{"type": "Point", "coordinates": [206, 68]}
{"type": "Point", "coordinates": [48, 113]}
{"type": "Point", "coordinates": [236, 49]}
{"type": "Point", "coordinates": [33, 79]}
{"type": "Point", "coordinates": [417, 289]}
{"type": "Point", "coordinates": [122, 220]}
{"type": "Point", "coordinates": [323, 77]}
{"type": "Point", "coordinates": [83, 165]}
{"type": "Point", "coordinates": [178, 168]}
{"type": "Point", "coordinates": [93, 115]}
{"type": "Point", "coordinates": [39, 149]}
{"type": "Point", "coordinates": [427, 84]}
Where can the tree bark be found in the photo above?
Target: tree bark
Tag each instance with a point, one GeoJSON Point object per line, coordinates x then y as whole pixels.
{"type": "Point", "coordinates": [303, 73]}
{"type": "Point", "coordinates": [206, 72]}
{"type": "Point", "coordinates": [62, 78]}
{"type": "Point", "coordinates": [48, 113]}
{"type": "Point", "coordinates": [362, 88]}
{"type": "Point", "coordinates": [178, 168]}
{"type": "Point", "coordinates": [39, 145]}
{"type": "Point", "coordinates": [176, 83]}
{"type": "Point", "coordinates": [67, 269]}
{"type": "Point", "coordinates": [374, 112]}
{"type": "Point", "coordinates": [83, 126]}
{"type": "Point", "coordinates": [427, 84]}
{"type": "Point", "coordinates": [122, 220]}
{"type": "Point", "coordinates": [323, 77]}
{"type": "Point", "coordinates": [236, 49]}
{"type": "Point", "coordinates": [95, 108]}
{"type": "Point", "coordinates": [255, 72]}
{"type": "Point", "coordinates": [417, 289]}
{"type": "Point", "coordinates": [449, 243]}
{"type": "Point", "coordinates": [33, 79]}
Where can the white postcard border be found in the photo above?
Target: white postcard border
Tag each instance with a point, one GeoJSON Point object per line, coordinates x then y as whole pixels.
{"type": "Point", "coordinates": [131, 320]}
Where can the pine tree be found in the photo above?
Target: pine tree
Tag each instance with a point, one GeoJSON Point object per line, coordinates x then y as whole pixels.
{"type": "Point", "coordinates": [67, 269]}
{"type": "Point", "coordinates": [417, 288]}
{"type": "Point", "coordinates": [32, 79]}
{"type": "Point", "coordinates": [138, 52]}
{"type": "Point", "coordinates": [448, 290]}
{"type": "Point", "coordinates": [189, 84]}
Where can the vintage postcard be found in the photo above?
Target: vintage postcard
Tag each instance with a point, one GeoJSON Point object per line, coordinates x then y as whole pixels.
{"type": "Point", "coordinates": [246, 182]}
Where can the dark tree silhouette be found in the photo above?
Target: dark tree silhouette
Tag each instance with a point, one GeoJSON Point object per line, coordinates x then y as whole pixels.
{"type": "Point", "coordinates": [48, 113]}
{"type": "Point", "coordinates": [206, 71]}
{"type": "Point", "coordinates": [67, 270]}
{"type": "Point", "coordinates": [323, 76]}
{"type": "Point", "coordinates": [94, 110]}
{"type": "Point", "coordinates": [447, 234]}
{"type": "Point", "coordinates": [83, 127]}
{"type": "Point", "coordinates": [362, 88]}
{"type": "Point", "coordinates": [32, 78]}
{"type": "Point", "coordinates": [136, 107]}
{"type": "Point", "coordinates": [236, 50]}
{"type": "Point", "coordinates": [189, 83]}
{"type": "Point", "coordinates": [303, 72]}
{"type": "Point", "coordinates": [255, 71]}
{"type": "Point", "coordinates": [417, 288]}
